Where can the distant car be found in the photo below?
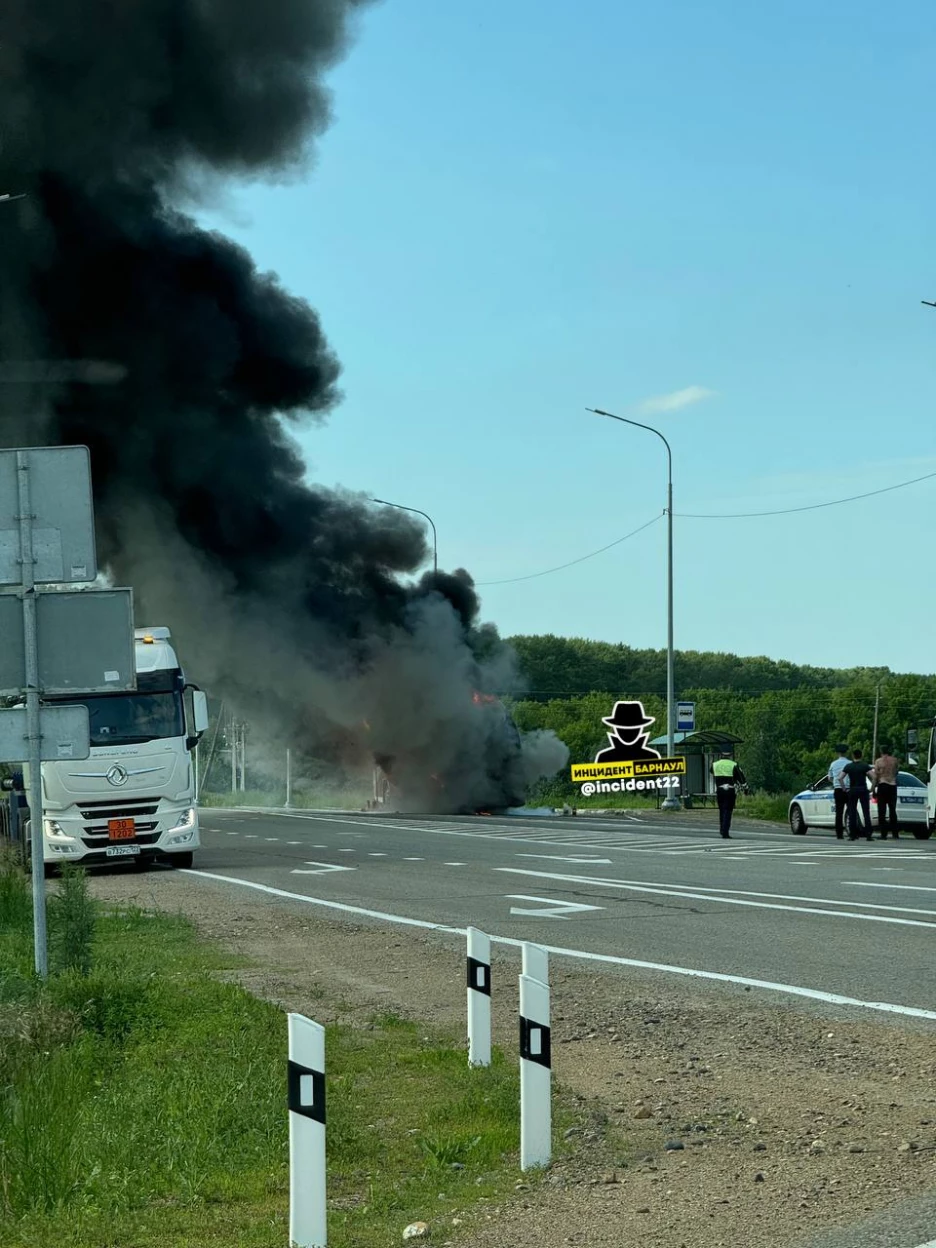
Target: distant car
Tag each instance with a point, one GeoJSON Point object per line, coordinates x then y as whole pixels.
{"type": "Point", "coordinates": [815, 806]}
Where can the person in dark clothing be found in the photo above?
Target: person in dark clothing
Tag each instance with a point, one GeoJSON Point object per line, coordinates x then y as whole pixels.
{"type": "Point", "coordinates": [855, 776]}
{"type": "Point", "coordinates": [838, 789]}
{"type": "Point", "coordinates": [728, 775]}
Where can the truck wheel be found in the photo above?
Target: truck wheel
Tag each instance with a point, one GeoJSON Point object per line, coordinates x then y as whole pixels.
{"type": "Point", "coordinates": [923, 831]}
{"type": "Point", "coordinates": [797, 822]}
{"type": "Point", "coordinates": [181, 861]}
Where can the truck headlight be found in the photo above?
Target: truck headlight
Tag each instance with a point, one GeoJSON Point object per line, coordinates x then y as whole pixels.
{"type": "Point", "coordinates": [185, 820]}
{"type": "Point", "coordinates": [54, 831]}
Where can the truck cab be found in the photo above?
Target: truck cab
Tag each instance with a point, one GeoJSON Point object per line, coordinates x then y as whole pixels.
{"type": "Point", "coordinates": [134, 797]}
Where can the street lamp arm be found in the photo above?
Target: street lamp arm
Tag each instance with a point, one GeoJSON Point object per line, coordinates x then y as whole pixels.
{"type": "Point", "coordinates": [415, 510]}
{"type": "Point", "coordinates": [649, 428]}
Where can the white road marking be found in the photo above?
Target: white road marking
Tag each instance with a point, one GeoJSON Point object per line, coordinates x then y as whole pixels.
{"type": "Point", "coordinates": [294, 842]}
{"type": "Point", "coordinates": [414, 860]}
{"type": "Point", "coordinates": [704, 893]}
{"type": "Point", "coordinates": [552, 908]}
{"type": "Point", "coordinates": [271, 838]}
{"type": "Point", "coordinates": [795, 990]}
{"type": "Point", "coordinates": [347, 851]}
{"type": "Point", "coordinates": [320, 868]}
{"type": "Point", "coordinates": [593, 862]}
{"type": "Point", "coordinates": [233, 834]}
{"type": "Point", "coordinates": [911, 888]}
{"type": "Point", "coordinates": [377, 855]}
{"type": "Point", "coordinates": [454, 864]}
{"type": "Point", "coordinates": [251, 837]}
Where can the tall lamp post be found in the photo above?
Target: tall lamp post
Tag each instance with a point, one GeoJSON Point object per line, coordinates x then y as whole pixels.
{"type": "Point", "coordinates": [435, 541]}
{"type": "Point", "coordinates": [671, 802]}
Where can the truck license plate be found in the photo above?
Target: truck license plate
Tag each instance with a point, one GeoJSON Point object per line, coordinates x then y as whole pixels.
{"type": "Point", "coordinates": [121, 829]}
{"type": "Point", "coordinates": [122, 851]}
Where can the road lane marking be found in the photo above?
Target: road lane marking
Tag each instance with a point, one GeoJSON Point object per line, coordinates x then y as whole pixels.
{"type": "Point", "coordinates": [704, 893]}
{"type": "Point", "coordinates": [912, 888]}
{"type": "Point", "coordinates": [593, 862]}
{"type": "Point", "coordinates": [453, 864]}
{"type": "Point", "coordinates": [795, 990]}
{"type": "Point", "coordinates": [381, 855]}
{"type": "Point", "coordinates": [414, 860]}
{"type": "Point", "coordinates": [274, 838]}
{"type": "Point", "coordinates": [294, 842]}
{"type": "Point", "coordinates": [320, 868]}
{"type": "Point", "coordinates": [552, 909]}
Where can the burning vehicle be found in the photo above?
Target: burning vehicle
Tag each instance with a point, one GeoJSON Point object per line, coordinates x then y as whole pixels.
{"type": "Point", "coordinates": [406, 781]}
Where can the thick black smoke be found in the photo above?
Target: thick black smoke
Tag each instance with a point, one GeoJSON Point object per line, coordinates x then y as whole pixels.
{"type": "Point", "coordinates": [287, 599]}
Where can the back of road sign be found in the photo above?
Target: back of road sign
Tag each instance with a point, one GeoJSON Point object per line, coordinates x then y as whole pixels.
{"type": "Point", "coordinates": [65, 733]}
{"type": "Point", "coordinates": [85, 642]}
{"type": "Point", "coordinates": [63, 516]}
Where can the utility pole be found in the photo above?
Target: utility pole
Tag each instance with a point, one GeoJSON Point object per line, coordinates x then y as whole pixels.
{"type": "Point", "coordinates": [877, 708]}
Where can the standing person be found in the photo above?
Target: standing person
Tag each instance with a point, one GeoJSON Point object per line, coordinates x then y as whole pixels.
{"type": "Point", "coordinates": [728, 775]}
{"type": "Point", "coordinates": [836, 768]}
{"type": "Point", "coordinates": [855, 775]}
{"type": "Point", "coordinates": [886, 768]}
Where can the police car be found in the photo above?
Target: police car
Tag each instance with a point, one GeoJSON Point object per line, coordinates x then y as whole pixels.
{"type": "Point", "coordinates": [815, 806]}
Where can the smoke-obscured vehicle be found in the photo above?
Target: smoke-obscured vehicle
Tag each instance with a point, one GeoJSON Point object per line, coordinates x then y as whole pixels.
{"type": "Point", "coordinates": [815, 807]}
{"type": "Point", "coordinates": [134, 797]}
{"type": "Point", "coordinates": [487, 777]}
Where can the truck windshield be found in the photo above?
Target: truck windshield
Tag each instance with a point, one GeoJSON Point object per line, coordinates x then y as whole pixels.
{"type": "Point", "coordinates": [129, 718]}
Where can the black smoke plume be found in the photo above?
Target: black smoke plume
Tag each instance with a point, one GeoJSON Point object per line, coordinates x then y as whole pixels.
{"type": "Point", "coordinates": [127, 327]}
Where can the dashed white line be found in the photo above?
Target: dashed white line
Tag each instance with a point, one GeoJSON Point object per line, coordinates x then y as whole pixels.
{"type": "Point", "coordinates": [376, 855]}
{"type": "Point", "coordinates": [454, 864]}
{"type": "Point", "coordinates": [414, 860]}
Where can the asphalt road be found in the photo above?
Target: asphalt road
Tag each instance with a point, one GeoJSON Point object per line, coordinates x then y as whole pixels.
{"type": "Point", "coordinates": [852, 920]}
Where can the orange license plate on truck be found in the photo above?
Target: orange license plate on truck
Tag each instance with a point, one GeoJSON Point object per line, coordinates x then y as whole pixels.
{"type": "Point", "coordinates": [121, 829]}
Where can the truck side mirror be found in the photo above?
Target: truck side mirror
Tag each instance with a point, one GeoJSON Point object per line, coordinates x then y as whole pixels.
{"type": "Point", "coordinates": [200, 712]}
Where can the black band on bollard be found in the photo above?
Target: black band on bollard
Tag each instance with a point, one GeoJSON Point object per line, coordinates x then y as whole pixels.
{"type": "Point", "coordinates": [527, 1031]}
{"type": "Point", "coordinates": [479, 976]}
{"type": "Point", "coordinates": [315, 1109]}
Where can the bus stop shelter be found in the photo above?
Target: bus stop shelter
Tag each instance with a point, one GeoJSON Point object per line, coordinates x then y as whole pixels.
{"type": "Point", "coordinates": [700, 750]}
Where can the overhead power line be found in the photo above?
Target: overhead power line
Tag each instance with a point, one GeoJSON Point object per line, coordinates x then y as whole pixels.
{"type": "Point", "coordinates": [727, 515]}
{"type": "Point", "coordinates": [572, 562]}
{"type": "Point", "coordinates": [787, 511]}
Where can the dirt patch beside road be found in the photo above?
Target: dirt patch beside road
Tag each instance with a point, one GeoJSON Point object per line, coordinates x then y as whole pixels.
{"type": "Point", "coordinates": [781, 1120]}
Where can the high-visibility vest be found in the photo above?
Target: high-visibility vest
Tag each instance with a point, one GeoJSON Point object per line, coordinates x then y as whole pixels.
{"type": "Point", "coordinates": [724, 767]}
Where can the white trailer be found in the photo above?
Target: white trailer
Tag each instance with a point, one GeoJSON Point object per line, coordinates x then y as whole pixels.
{"type": "Point", "coordinates": [135, 796]}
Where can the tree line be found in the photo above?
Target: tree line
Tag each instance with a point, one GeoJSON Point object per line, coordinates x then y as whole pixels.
{"type": "Point", "coordinates": [789, 717]}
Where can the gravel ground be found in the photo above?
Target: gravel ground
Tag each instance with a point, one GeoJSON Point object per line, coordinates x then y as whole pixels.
{"type": "Point", "coordinates": [719, 1117]}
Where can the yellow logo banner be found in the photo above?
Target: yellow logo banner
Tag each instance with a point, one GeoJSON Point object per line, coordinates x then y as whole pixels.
{"type": "Point", "coordinates": [628, 769]}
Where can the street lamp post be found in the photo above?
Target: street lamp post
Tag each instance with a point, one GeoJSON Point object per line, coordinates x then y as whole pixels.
{"type": "Point", "coordinates": [671, 802]}
{"type": "Point", "coordinates": [435, 542]}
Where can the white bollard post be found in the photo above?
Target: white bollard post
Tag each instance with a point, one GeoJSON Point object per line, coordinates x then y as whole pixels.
{"type": "Point", "coordinates": [307, 1210]}
{"type": "Point", "coordinates": [535, 1075]}
{"type": "Point", "coordinates": [479, 998]}
{"type": "Point", "coordinates": [536, 962]}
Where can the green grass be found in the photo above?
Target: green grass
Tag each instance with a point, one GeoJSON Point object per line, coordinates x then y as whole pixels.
{"type": "Point", "coordinates": [142, 1104]}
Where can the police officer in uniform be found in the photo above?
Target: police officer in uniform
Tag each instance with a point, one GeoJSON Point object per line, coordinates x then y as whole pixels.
{"type": "Point", "coordinates": [728, 775]}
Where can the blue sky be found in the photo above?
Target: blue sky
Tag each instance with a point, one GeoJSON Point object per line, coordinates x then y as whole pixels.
{"type": "Point", "coordinates": [518, 213]}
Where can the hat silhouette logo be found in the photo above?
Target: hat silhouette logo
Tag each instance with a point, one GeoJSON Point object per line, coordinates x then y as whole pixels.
{"type": "Point", "coordinates": [628, 736]}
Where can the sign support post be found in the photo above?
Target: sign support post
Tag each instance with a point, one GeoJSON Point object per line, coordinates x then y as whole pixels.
{"type": "Point", "coordinates": [33, 730]}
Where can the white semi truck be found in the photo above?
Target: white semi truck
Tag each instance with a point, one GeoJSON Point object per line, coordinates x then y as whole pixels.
{"type": "Point", "coordinates": [135, 796]}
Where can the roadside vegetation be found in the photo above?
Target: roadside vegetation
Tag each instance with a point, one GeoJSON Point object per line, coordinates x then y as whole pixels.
{"type": "Point", "coordinates": [142, 1098]}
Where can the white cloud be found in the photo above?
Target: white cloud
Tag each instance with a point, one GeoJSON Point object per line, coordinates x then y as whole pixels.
{"type": "Point", "coordinates": [674, 401]}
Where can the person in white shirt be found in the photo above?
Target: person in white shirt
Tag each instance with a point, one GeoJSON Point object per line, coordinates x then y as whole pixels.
{"type": "Point", "coordinates": [838, 792]}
